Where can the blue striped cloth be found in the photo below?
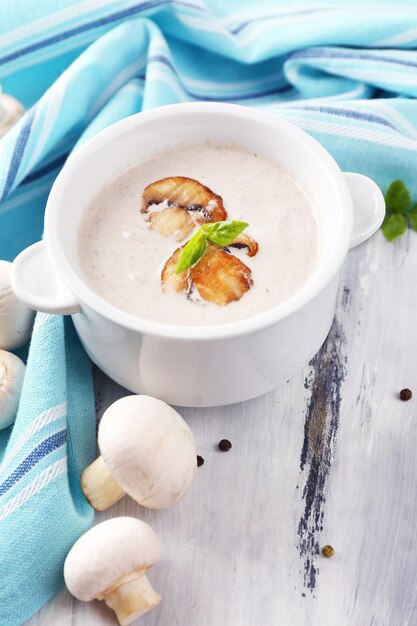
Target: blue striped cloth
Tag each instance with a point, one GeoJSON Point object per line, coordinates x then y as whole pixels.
{"type": "Point", "coordinates": [345, 74]}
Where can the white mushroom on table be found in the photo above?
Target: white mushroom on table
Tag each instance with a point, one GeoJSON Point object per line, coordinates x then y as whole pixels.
{"type": "Point", "coordinates": [110, 561]}
{"type": "Point", "coordinates": [147, 451]}
{"type": "Point", "coordinates": [16, 320]}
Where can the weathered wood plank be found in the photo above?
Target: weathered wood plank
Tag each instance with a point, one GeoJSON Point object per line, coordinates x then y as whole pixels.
{"type": "Point", "coordinates": [328, 458]}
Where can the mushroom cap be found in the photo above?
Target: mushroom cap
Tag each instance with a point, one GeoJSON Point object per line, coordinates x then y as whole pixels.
{"type": "Point", "coordinates": [149, 449]}
{"type": "Point", "coordinates": [106, 554]}
{"type": "Point", "coordinates": [12, 374]}
{"type": "Point", "coordinates": [16, 320]}
{"type": "Point", "coordinates": [8, 301]}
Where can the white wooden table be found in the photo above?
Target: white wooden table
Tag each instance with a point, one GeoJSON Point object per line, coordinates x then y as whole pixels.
{"type": "Point", "coordinates": [330, 458]}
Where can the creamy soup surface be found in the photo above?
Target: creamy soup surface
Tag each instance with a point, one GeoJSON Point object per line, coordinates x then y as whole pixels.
{"type": "Point", "coordinates": [122, 258]}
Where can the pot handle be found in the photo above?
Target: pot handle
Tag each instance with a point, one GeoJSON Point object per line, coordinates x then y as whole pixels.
{"type": "Point", "coordinates": [368, 204]}
{"type": "Point", "coordinates": [37, 285]}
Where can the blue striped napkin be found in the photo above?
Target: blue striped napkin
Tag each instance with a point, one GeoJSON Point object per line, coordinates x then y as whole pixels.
{"type": "Point", "coordinates": [345, 74]}
{"type": "Point", "coordinates": [42, 508]}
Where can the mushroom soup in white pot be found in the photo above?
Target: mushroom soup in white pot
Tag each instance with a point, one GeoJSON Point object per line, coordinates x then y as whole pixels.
{"type": "Point", "coordinates": [222, 234]}
{"type": "Point", "coordinates": [134, 225]}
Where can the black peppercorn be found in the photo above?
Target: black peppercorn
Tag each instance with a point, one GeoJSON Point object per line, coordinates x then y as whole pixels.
{"type": "Point", "coordinates": [224, 445]}
{"type": "Point", "coordinates": [406, 394]}
{"type": "Point", "coordinates": [200, 460]}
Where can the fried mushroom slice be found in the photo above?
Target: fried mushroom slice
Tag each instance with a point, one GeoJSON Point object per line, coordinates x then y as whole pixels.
{"type": "Point", "coordinates": [179, 282]}
{"type": "Point", "coordinates": [172, 221]}
{"type": "Point", "coordinates": [186, 193]}
{"type": "Point", "coordinates": [244, 241]}
{"type": "Point", "coordinates": [218, 277]}
{"type": "Point", "coordinates": [188, 203]}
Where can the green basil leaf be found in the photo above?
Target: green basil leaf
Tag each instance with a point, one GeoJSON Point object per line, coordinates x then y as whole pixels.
{"type": "Point", "coordinates": [412, 216]}
{"type": "Point", "coordinates": [192, 251]}
{"type": "Point", "coordinates": [223, 233]}
{"type": "Point", "coordinates": [397, 197]}
{"type": "Point", "coordinates": [219, 233]}
{"type": "Point", "coordinates": [394, 226]}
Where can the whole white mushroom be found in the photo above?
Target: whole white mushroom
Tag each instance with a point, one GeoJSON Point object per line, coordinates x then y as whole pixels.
{"type": "Point", "coordinates": [12, 373]}
{"type": "Point", "coordinates": [147, 451]}
{"type": "Point", "coordinates": [10, 111]}
{"type": "Point", "coordinates": [109, 563]}
{"type": "Point", "coordinates": [16, 320]}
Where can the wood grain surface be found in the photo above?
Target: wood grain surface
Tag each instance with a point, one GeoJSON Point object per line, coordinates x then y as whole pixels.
{"type": "Point", "coordinates": [330, 458]}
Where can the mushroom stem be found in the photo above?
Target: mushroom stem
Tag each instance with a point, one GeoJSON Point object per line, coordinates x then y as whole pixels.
{"type": "Point", "coordinates": [132, 599]}
{"type": "Point", "coordinates": [99, 486]}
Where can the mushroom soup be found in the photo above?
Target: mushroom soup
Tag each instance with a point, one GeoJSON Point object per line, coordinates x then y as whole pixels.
{"type": "Point", "coordinates": [253, 230]}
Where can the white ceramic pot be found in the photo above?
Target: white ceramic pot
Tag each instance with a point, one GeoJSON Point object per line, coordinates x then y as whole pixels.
{"type": "Point", "coordinates": [198, 366]}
